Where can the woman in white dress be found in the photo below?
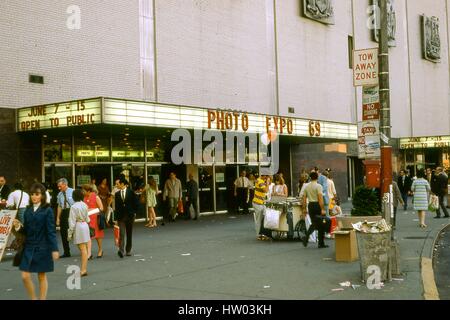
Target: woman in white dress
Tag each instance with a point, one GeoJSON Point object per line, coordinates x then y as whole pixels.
{"type": "Point", "coordinates": [79, 227]}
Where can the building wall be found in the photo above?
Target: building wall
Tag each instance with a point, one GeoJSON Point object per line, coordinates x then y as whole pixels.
{"type": "Point", "coordinates": [20, 159]}
{"type": "Point", "coordinates": [221, 54]}
{"type": "Point", "coordinates": [429, 81]}
{"type": "Point", "coordinates": [307, 156]}
{"type": "Point", "coordinates": [314, 73]}
{"type": "Point", "coordinates": [102, 58]}
{"type": "Point", "coordinates": [215, 54]}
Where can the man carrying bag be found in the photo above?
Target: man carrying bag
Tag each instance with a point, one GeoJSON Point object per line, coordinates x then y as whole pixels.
{"type": "Point", "coordinates": [316, 209]}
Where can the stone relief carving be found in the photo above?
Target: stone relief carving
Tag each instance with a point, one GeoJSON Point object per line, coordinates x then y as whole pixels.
{"type": "Point", "coordinates": [431, 38]}
{"type": "Point", "coordinates": [392, 23]}
{"type": "Point", "coordinates": [319, 10]}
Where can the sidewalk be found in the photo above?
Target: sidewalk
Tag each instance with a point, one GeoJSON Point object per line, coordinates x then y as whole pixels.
{"type": "Point", "coordinates": [218, 257]}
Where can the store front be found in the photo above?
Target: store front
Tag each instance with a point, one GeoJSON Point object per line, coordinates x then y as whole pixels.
{"type": "Point", "coordinates": [424, 152]}
{"type": "Point", "coordinates": [96, 139]}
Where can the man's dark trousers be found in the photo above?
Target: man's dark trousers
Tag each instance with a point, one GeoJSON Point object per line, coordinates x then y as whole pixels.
{"type": "Point", "coordinates": [242, 194]}
{"type": "Point", "coordinates": [441, 206]}
{"type": "Point", "coordinates": [126, 226]}
{"type": "Point", "coordinates": [64, 230]}
{"type": "Point", "coordinates": [405, 200]}
{"type": "Point", "coordinates": [315, 214]}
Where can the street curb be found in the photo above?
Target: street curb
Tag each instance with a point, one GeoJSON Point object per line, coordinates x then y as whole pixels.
{"type": "Point", "coordinates": [430, 291]}
{"type": "Point", "coordinates": [429, 284]}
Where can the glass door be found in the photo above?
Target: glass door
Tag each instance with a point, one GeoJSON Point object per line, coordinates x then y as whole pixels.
{"type": "Point", "coordinates": [205, 176]}
{"type": "Point", "coordinates": [54, 172]}
{"type": "Point", "coordinates": [221, 189]}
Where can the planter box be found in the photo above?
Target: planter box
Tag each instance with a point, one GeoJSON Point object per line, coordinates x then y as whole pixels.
{"type": "Point", "coordinates": [345, 222]}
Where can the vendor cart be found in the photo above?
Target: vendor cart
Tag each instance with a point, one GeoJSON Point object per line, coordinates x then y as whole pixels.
{"type": "Point", "coordinates": [292, 219]}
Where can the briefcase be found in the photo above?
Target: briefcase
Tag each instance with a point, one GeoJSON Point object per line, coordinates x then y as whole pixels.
{"type": "Point", "coordinates": [324, 223]}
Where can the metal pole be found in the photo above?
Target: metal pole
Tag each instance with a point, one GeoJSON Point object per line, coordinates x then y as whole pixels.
{"type": "Point", "coordinates": [385, 129]}
{"type": "Point", "coordinates": [385, 118]}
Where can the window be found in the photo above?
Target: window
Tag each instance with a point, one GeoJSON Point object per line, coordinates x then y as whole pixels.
{"type": "Point", "coordinates": [57, 149]}
{"type": "Point", "coordinates": [350, 51]}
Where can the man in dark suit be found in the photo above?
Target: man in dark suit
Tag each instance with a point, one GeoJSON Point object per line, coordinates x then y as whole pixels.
{"type": "Point", "coordinates": [404, 184]}
{"type": "Point", "coordinates": [191, 197]}
{"type": "Point", "coordinates": [126, 205]}
{"type": "Point", "coordinates": [441, 191]}
{"type": "Point", "coordinates": [4, 189]}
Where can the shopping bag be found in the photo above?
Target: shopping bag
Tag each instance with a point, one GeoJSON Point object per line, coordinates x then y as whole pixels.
{"type": "Point", "coordinates": [434, 203]}
{"type": "Point", "coordinates": [272, 219]}
{"type": "Point", "coordinates": [180, 207]}
{"type": "Point", "coordinates": [117, 236]}
{"type": "Point", "coordinates": [313, 236]}
{"type": "Point", "coordinates": [333, 225]}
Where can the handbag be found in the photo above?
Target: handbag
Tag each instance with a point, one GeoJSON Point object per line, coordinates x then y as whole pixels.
{"type": "Point", "coordinates": [91, 232]}
{"type": "Point", "coordinates": [101, 221]}
{"type": "Point", "coordinates": [18, 258]}
{"type": "Point", "coordinates": [272, 219]}
{"type": "Point", "coordinates": [324, 223]}
{"type": "Point", "coordinates": [19, 245]}
{"type": "Point", "coordinates": [117, 236]}
{"type": "Point", "coordinates": [434, 203]}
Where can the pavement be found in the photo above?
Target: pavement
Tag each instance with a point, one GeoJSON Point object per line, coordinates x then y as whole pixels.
{"type": "Point", "coordinates": [219, 258]}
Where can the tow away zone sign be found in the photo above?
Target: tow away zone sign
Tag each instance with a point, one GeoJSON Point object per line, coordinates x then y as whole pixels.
{"type": "Point", "coordinates": [365, 67]}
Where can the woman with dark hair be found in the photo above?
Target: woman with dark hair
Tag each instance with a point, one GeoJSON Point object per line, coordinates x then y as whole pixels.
{"type": "Point", "coordinates": [41, 248]}
{"type": "Point", "coordinates": [79, 227]}
{"type": "Point", "coordinates": [421, 190]}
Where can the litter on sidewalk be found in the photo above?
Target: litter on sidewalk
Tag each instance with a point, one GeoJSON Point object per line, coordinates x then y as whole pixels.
{"type": "Point", "coordinates": [372, 227]}
{"type": "Point", "coordinates": [185, 254]}
{"type": "Point", "coordinates": [266, 287]}
{"type": "Point", "coordinates": [140, 260]}
{"type": "Point", "coordinates": [338, 289]}
{"type": "Point", "coordinates": [346, 284]}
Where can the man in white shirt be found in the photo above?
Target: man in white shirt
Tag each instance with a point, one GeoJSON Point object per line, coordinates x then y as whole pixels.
{"type": "Point", "coordinates": [18, 200]}
{"type": "Point", "coordinates": [241, 192]}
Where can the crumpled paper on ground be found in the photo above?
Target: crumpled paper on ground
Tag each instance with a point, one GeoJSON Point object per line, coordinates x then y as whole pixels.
{"type": "Point", "coordinates": [372, 227]}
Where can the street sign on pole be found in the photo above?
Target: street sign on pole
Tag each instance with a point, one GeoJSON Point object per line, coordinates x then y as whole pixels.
{"type": "Point", "coordinates": [369, 140]}
{"type": "Point", "coordinates": [365, 67]}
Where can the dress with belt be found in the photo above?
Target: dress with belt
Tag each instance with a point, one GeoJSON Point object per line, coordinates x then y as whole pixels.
{"type": "Point", "coordinates": [91, 202]}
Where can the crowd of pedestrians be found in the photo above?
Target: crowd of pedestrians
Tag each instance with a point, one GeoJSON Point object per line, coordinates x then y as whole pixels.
{"type": "Point", "coordinates": [82, 214]}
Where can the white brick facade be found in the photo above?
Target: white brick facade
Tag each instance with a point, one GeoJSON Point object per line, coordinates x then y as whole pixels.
{"type": "Point", "coordinates": [219, 54]}
{"type": "Point", "coordinates": [102, 58]}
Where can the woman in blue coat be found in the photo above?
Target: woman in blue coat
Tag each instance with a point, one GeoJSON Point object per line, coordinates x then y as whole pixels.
{"type": "Point", "coordinates": [41, 248]}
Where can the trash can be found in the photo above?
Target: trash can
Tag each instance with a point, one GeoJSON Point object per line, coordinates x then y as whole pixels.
{"type": "Point", "coordinates": [374, 250]}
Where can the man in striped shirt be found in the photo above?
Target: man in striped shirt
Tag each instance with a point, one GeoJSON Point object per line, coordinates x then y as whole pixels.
{"type": "Point", "coordinates": [259, 199]}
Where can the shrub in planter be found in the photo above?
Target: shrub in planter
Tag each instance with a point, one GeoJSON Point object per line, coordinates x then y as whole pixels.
{"type": "Point", "coordinates": [366, 202]}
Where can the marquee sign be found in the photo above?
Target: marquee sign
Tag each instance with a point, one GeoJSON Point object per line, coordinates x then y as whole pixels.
{"type": "Point", "coordinates": [425, 142]}
{"type": "Point", "coordinates": [137, 113]}
{"type": "Point", "coordinates": [59, 115]}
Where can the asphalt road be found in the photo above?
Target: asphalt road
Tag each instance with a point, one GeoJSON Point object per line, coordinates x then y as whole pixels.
{"type": "Point", "coordinates": [442, 264]}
